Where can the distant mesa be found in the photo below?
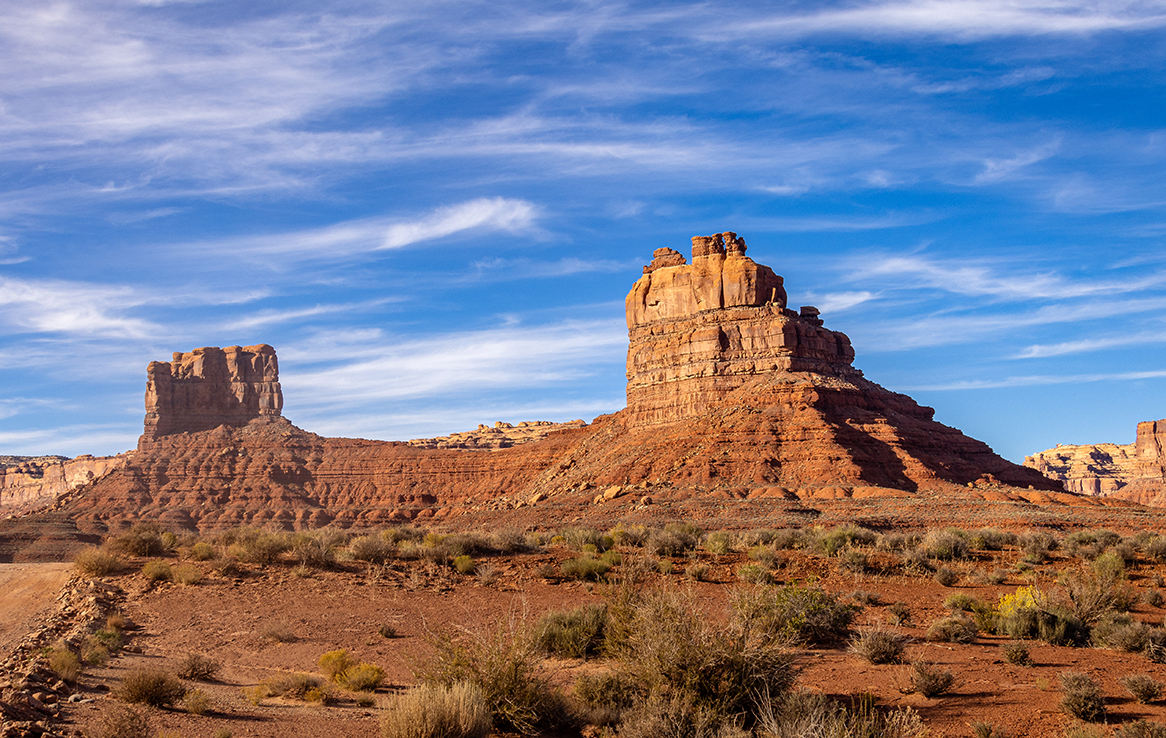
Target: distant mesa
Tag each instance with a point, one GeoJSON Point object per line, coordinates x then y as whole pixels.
{"type": "Point", "coordinates": [1133, 471]}
{"type": "Point", "coordinates": [731, 395]}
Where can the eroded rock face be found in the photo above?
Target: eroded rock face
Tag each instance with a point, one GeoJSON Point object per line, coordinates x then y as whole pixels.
{"type": "Point", "coordinates": [1133, 471]}
{"type": "Point", "coordinates": [28, 484]}
{"type": "Point", "coordinates": [499, 435]}
{"type": "Point", "coordinates": [208, 387]}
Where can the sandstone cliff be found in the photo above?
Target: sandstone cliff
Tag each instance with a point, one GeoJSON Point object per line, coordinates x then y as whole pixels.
{"type": "Point", "coordinates": [731, 395]}
{"type": "Point", "coordinates": [208, 387]}
{"type": "Point", "coordinates": [499, 435]}
{"type": "Point", "coordinates": [32, 483]}
{"type": "Point", "coordinates": [1133, 471]}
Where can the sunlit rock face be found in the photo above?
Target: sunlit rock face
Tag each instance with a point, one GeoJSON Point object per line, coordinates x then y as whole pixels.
{"type": "Point", "coordinates": [1132, 471]}
{"type": "Point", "coordinates": [202, 389]}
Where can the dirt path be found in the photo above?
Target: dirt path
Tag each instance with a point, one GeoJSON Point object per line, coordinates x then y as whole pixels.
{"type": "Point", "coordinates": [26, 590]}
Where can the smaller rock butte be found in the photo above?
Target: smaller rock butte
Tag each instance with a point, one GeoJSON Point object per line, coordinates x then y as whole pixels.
{"type": "Point", "coordinates": [1132, 471]}
{"type": "Point", "coordinates": [33, 482]}
{"type": "Point", "coordinates": [208, 387]}
{"type": "Point", "coordinates": [500, 435]}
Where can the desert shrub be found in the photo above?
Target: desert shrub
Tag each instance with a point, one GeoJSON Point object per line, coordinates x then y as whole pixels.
{"type": "Point", "coordinates": [697, 571]}
{"type": "Point", "coordinates": [866, 597]}
{"type": "Point", "coordinates": [945, 577]}
{"type": "Point", "coordinates": [97, 562]}
{"type": "Point", "coordinates": [682, 659]}
{"type": "Point", "coordinates": [465, 564]}
{"type": "Point", "coordinates": [187, 575]}
{"type": "Point", "coordinates": [157, 571]}
{"type": "Point", "coordinates": [896, 541]}
{"type": "Point", "coordinates": [718, 542]}
{"type": "Point", "coordinates": [833, 541]}
{"type": "Point", "coordinates": [433, 711]}
{"type": "Point", "coordinates": [984, 729]}
{"type": "Point", "coordinates": [472, 544]}
{"type": "Point", "coordinates": [855, 561]}
{"type": "Point", "coordinates": [1081, 697]}
{"type": "Point", "coordinates": [1036, 545]}
{"type": "Point", "coordinates": [634, 537]}
{"type": "Point", "coordinates": [787, 538]}
{"type": "Point", "coordinates": [577, 538]}
{"type": "Point", "coordinates": [611, 692]}
{"type": "Point", "coordinates": [1153, 597]}
{"type": "Point", "coordinates": [802, 613]}
{"type": "Point", "coordinates": [334, 663]}
{"type": "Point", "coordinates": [1155, 548]}
{"type": "Point", "coordinates": [150, 687]}
{"type": "Point", "coordinates": [279, 631]}
{"type": "Point", "coordinates": [313, 550]}
{"type": "Point", "coordinates": [143, 539]}
{"type": "Point", "coordinates": [257, 547]}
{"type": "Point", "coordinates": [766, 556]}
{"type": "Point", "coordinates": [915, 560]}
{"type": "Point", "coordinates": [1016, 653]}
{"type": "Point", "coordinates": [387, 630]}
{"type": "Point", "coordinates": [946, 544]}
{"type": "Point", "coordinates": [201, 552]}
{"type": "Point", "coordinates": [611, 558]}
{"type": "Point", "coordinates": [65, 664]}
{"type": "Point", "coordinates": [584, 568]}
{"type": "Point", "coordinates": [962, 601]}
{"type": "Point", "coordinates": [1100, 590]}
{"type": "Point", "coordinates": [899, 614]}
{"type": "Point", "coordinates": [1140, 729]}
{"type": "Point", "coordinates": [94, 653]}
{"type": "Point", "coordinates": [123, 721]}
{"type": "Point", "coordinates": [1027, 613]}
{"type": "Point", "coordinates": [294, 686]}
{"type": "Point", "coordinates": [664, 566]}
{"type": "Point", "coordinates": [754, 574]}
{"type": "Point", "coordinates": [952, 629]}
{"type": "Point", "coordinates": [362, 677]}
{"type": "Point", "coordinates": [674, 716]}
{"type": "Point", "coordinates": [991, 539]}
{"type": "Point", "coordinates": [504, 665]}
{"type": "Point", "coordinates": [675, 539]}
{"type": "Point", "coordinates": [803, 713]}
{"type": "Point", "coordinates": [928, 679]}
{"type": "Point", "coordinates": [576, 633]}
{"type": "Point", "coordinates": [1156, 645]}
{"type": "Point", "coordinates": [1120, 631]}
{"type": "Point", "coordinates": [1142, 687]}
{"type": "Point", "coordinates": [877, 646]}
{"type": "Point", "coordinates": [197, 667]}
{"type": "Point", "coordinates": [107, 638]}
{"type": "Point", "coordinates": [196, 702]}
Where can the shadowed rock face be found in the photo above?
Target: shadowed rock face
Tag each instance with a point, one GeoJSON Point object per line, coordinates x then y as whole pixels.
{"type": "Point", "coordinates": [208, 387]}
{"type": "Point", "coordinates": [729, 393]}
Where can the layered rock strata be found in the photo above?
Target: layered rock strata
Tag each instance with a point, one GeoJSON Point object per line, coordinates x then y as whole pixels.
{"type": "Point", "coordinates": [731, 395]}
{"type": "Point", "coordinates": [1133, 471]}
{"type": "Point", "coordinates": [499, 435]}
{"type": "Point", "coordinates": [32, 483]}
{"type": "Point", "coordinates": [208, 387]}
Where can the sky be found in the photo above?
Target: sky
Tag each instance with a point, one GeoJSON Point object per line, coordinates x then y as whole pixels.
{"type": "Point", "coordinates": [434, 212]}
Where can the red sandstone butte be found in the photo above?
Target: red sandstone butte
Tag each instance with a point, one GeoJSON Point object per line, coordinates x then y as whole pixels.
{"type": "Point", "coordinates": [1133, 471]}
{"type": "Point", "coordinates": [731, 395]}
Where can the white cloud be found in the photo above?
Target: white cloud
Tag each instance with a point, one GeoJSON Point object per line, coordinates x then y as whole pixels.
{"type": "Point", "coordinates": [1041, 351]}
{"type": "Point", "coordinates": [831, 303]}
{"type": "Point", "coordinates": [59, 306]}
{"type": "Point", "coordinates": [1038, 380]}
{"type": "Point", "coordinates": [496, 214]}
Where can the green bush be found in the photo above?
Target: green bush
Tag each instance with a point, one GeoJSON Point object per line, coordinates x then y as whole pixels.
{"type": "Point", "coordinates": [1081, 697]}
{"type": "Point", "coordinates": [754, 574]}
{"type": "Point", "coordinates": [202, 552]}
{"type": "Point", "coordinates": [1016, 653]}
{"type": "Point", "coordinates": [946, 544]}
{"type": "Point", "coordinates": [801, 613]}
{"type": "Point", "coordinates": [143, 539]}
{"type": "Point", "coordinates": [150, 687]}
{"type": "Point", "coordinates": [952, 629]}
{"type": "Point", "coordinates": [362, 677]}
{"type": "Point", "coordinates": [584, 568]}
{"type": "Point", "coordinates": [65, 664]}
{"type": "Point", "coordinates": [577, 633]}
{"type": "Point", "coordinates": [833, 541]}
{"type": "Point", "coordinates": [433, 711]}
{"type": "Point", "coordinates": [334, 663]}
{"type": "Point", "coordinates": [465, 564]}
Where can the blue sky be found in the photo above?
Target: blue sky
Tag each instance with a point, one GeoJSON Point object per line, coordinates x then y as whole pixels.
{"type": "Point", "coordinates": [434, 213]}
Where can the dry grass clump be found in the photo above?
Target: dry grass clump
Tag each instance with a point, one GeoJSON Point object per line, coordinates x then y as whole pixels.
{"type": "Point", "coordinates": [187, 575]}
{"type": "Point", "coordinates": [122, 721]}
{"type": "Point", "coordinates": [898, 613]}
{"type": "Point", "coordinates": [157, 571]}
{"type": "Point", "coordinates": [1122, 632]}
{"type": "Point", "coordinates": [928, 679]}
{"type": "Point", "coordinates": [878, 646]}
{"type": "Point", "coordinates": [197, 667]}
{"type": "Point", "coordinates": [800, 613]}
{"type": "Point", "coordinates": [832, 542]}
{"type": "Point", "coordinates": [866, 597]}
{"type": "Point", "coordinates": [584, 568]}
{"type": "Point", "coordinates": [143, 539]}
{"type": "Point", "coordinates": [1142, 687]}
{"type": "Point", "coordinates": [1016, 653]}
{"type": "Point", "coordinates": [373, 549]}
{"type": "Point", "coordinates": [295, 686]}
{"type": "Point", "coordinates": [945, 577]}
{"type": "Point", "coordinates": [202, 551]}
{"type": "Point", "coordinates": [1140, 729]}
{"type": "Point", "coordinates": [719, 542]}
{"type": "Point", "coordinates": [433, 711]}
{"type": "Point", "coordinates": [754, 574]}
{"type": "Point", "coordinates": [602, 698]}
{"type": "Point", "coordinates": [676, 539]}
{"type": "Point", "coordinates": [465, 564]}
{"type": "Point", "coordinates": [97, 562]}
{"type": "Point", "coordinates": [314, 550]}
{"type": "Point", "coordinates": [577, 633]}
{"type": "Point", "coordinates": [150, 687]}
{"type": "Point", "coordinates": [983, 729]}
{"type": "Point", "coordinates": [697, 571]}
{"type": "Point", "coordinates": [196, 702]}
{"type": "Point", "coordinates": [258, 547]}
{"type": "Point", "coordinates": [334, 663]}
{"type": "Point", "coordinates": [279, 631]}
{"type": "Point", "coordinates": [801, 714]}
{"type": "Point", "coordinates": [1100, 590]}
{"type": "Point", "coordinates": [946, 544]}
{"type": "Point", "coordinates": [1081, 697]}
{"type": "Point", "coordinates": [65, 664]}
{"type": "Point", "coordinates": [363, 677]}
{"type": "Point", "coordinates": [957, 628]}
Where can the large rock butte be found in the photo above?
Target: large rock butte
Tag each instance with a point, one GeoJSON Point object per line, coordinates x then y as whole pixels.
{"type": "Point", "coordinates": [730, 395]}
{"type": "Point", "coordinates": [1132, 471]}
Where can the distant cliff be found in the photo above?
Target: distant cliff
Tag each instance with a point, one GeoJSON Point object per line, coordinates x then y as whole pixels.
{"type": "Point", "coordinates": [1133, 471]}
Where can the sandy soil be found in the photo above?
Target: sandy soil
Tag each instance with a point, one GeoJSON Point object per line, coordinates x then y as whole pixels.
{"type": "Point", "coordinates": [227, 618]}
{"type": "Point", "coordinates": [26, 591]}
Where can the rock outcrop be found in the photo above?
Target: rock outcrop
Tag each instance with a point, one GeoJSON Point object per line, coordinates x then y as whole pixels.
{"type": "Point", "coordinates": [208, 387]}
{"type": "Point", "coordinates": [731, 395]}
{"type": "Point", "coordinates": [1133, 471]}
{"type": "Point", "coordinates": [500, 435]}
{"type": "Point", "coordinates": [34, 482]}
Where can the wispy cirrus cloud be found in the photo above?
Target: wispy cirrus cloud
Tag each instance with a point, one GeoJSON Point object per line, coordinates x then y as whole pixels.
{"type": "Point", "coordinates": [1086, 345]}
{"type": "Point", "coordinates": [1037, 380]}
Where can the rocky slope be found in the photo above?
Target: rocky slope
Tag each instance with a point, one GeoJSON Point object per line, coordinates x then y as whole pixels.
{"type": "Point", "coordinates": [1133, 471]}
{"type": "Point", "coordinates": [731, 395]}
